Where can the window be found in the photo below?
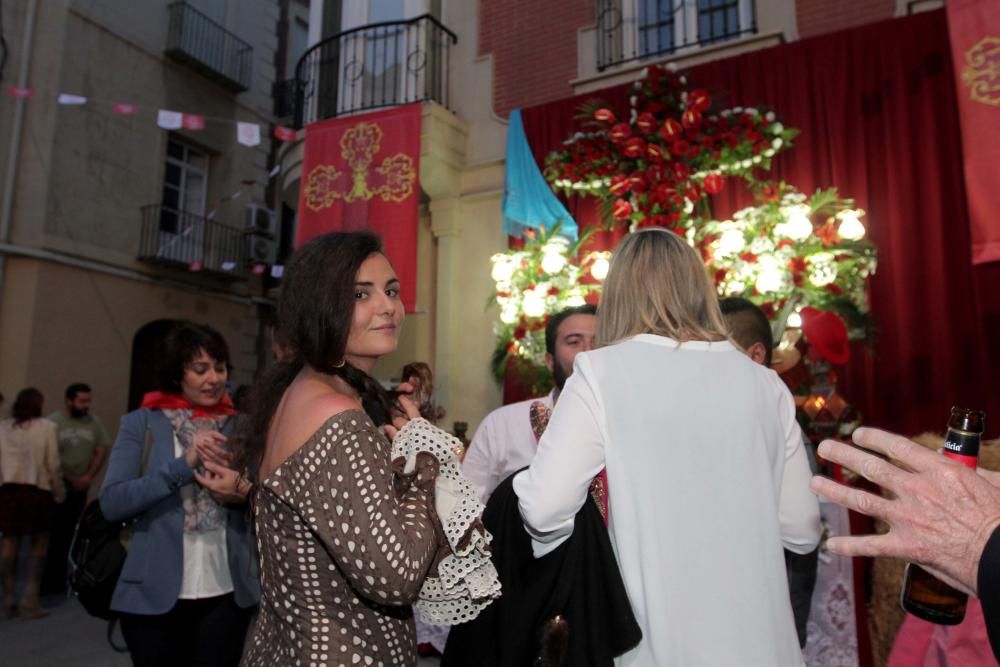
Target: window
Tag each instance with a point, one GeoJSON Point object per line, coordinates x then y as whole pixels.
{"type": "Point", "coordinates": [630, 30]}
{"type": "Point", "coordinates": [185, 182]}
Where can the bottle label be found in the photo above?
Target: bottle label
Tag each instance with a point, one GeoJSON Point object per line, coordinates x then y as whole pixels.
{"type": "Point", "coordinates": [962, 447]}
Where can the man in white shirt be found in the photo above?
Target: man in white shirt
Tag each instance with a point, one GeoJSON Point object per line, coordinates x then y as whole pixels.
{"type": "Point", "coordinates": [506, 441]}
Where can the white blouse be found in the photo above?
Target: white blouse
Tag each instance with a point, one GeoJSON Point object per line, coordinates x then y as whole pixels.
{"type": "Point", "coordinates": [707, 481]}
{"type": "Point", "coordinates": [206, 559]}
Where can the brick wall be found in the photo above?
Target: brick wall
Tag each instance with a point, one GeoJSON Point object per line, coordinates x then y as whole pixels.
{"type": "Point", "coordinates": [816, 17]}
{"type": "Point", "coordinates": [533, 43]}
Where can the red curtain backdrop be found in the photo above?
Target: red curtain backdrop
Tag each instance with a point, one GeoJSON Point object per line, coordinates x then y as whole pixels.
{"type": "Point", "coordinates": [877, 111]}
{"type": "Point", "coordinates": [360, 172]}
{"type": "Point", "coordinates": [974, 27]}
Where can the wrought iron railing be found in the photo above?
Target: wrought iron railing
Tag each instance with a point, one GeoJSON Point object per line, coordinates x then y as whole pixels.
{"type": "Point", "coordinates": [633, 30]}
{"type": "Point", "coordinates": [378, 65]}
{"type": "Point", "coordinates": [208, 47]}
{"type": "Point", "coordinates": [192, 242]}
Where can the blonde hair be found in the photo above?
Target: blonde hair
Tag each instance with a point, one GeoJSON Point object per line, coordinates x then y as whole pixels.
{"type": "Point", "coordinates": [658, 284]}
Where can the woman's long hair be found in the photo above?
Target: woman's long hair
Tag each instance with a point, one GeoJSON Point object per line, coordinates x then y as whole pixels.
{"type": "Point", "coordinates": [658, 284]}
{"type": "Point", "coordinates": [315, 311]}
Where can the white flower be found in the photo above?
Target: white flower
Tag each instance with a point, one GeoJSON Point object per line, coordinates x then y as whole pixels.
{"type": "Point", "coordinates": [777, 143]}
{"type": "Point", "coordinates": [777, 128]}
{"type": "Point", "coordinates": [761, 245]}
{"type": "Point", "coordinates": [822, 270]}
{"type": "Point", "coordinates": [850, 225]}
{"type": "Point", "coordinates": [769, 116]}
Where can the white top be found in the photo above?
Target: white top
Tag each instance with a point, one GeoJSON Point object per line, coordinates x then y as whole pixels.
{"type": "Point", "coordinates": [707, 480]}
{"type": "Point", "coordinates": [29, 455]}
{"type": "Point", "coordinates": [503, 444]}
{"type": "Point", "coordinates": [206, 560]}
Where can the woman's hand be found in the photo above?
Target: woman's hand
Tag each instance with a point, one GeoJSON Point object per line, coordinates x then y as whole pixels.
{"type": "Point", "coordinates": [410, 411]}
{"type": "Point", "coordinates": [207, 446]}
{"type": "Point", "coordinates": [225, 484]}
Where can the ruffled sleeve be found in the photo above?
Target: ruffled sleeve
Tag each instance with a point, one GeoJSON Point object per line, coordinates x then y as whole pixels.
{"type": "Point", "coordinates": [462, 580]}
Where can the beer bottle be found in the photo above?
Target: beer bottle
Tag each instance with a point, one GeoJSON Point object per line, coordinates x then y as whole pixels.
{"type": "Point", "coordinates": [924, 595]}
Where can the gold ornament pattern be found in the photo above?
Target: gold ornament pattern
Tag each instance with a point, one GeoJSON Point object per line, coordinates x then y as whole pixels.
{"type": "Point", "coordinates": [982, 71]}
{"type": "Point", "coordinates": [359, 146]}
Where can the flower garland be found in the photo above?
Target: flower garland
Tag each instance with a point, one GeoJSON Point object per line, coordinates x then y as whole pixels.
{"type": "Point", "coordinates": [547, 275]}
{"type": "Point", "coordinates": [669, 156]}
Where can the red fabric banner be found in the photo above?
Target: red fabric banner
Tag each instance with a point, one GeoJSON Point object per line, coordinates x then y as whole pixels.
{"type": "Point", "coordinates": [360, 173]}
{"type": "Point", "coordinates": [974, 28]}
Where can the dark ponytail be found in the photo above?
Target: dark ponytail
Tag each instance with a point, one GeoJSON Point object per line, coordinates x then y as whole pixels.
{"type": "Point", "coordinates": [315, 311]}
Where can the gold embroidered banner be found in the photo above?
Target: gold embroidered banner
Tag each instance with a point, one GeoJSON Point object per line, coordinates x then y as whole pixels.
{"type": "Point", "coordinates": [360, 172]}
{"type": "Point", "coordinates": [974, 28]}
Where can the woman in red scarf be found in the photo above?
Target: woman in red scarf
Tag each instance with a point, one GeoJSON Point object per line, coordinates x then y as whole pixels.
{"type": "Point", "coordinates": [189, 583]}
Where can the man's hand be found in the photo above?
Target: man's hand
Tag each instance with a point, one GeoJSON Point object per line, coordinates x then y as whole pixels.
{"type": "Point", "coordinates": [79, 482]}
{"type": "Point", "coordinates": [942, 515]}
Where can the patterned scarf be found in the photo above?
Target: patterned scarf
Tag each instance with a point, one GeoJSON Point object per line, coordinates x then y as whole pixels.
{"type": "Point", "coordinates": [539, 414]}
{"type": "Point", "coordinates": [201, 513]}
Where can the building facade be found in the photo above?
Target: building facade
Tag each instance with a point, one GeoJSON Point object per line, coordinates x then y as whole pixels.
{"type": "Point", "coordinates": [509, 54]}
{"type": "Point", "coordinates": [112, 227]}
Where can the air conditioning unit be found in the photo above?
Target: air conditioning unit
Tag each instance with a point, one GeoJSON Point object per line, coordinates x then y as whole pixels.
{"type": "Point", "coordinates": [261, 220]}
{"type": "Point", "coordinates": [261, 250]}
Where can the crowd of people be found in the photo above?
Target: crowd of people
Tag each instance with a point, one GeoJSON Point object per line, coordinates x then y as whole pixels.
{"type": "Point", "coordinates": [304, 527]}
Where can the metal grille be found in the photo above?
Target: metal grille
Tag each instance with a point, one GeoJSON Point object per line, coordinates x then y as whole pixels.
{"type": "Point", "coordinates": [182, 240]}
{"type": "Point", "coordinates": [208, 47]}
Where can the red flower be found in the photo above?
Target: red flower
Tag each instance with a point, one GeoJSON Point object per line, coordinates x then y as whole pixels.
{"type": "Point", "coordinates": [553, 291]}
{"type": "Point", "coordinates": [520, 332]}
{"type": "Point", "coordinates": [768, 308]}
{"type": "Point", "coordinates": [748, 257]}
{"type": "Point", "coordinates": [680, 147]}
{"type": "Point", "coordinates": [638, 182]}
{"type": "Point", "coordinates": [714, 183]}
{"type": "Point", "coordinates": [671, 129]}
{"type": "Point", "coordinates": [699, 100]}
{"type": "Point", "coordinates": [720, 275]}
{"type": "Point", "coordinates": [663, 192]}
{"type": "Point", "coordinates": [655, 172]}
{"type": "Point", "coordinates": [620, 132]}
{"type": "Point", "coordinates": [655, 152]}
{"type": "Point", "coordinates": [634, 147]}
{"type": "Point", "coordinates": [681, 171]}
{"type": "Point", "coordinates": [834, 289]}
{"type": "Point", "coordinates": [798, 267]}
{"type": "Point", "coordinates": [621, 209]}
{"type": "Point", "coordinates": [619, 184]}
{"type": "Point", "coordinates": [784, 243]}
{"type": "Point", "coordinates": [646, 122]}
{"type": "Point", "coordinates": [691, 118]}
{"type": "Point", "coordinates": [604, 115]}
{"type": "Point", "coordinates": [693, 192]}
{"type": "Point", "coordinates": [828, 234]}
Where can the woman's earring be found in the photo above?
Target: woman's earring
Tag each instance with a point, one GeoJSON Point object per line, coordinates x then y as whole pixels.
{"type": "Point", "coordinates": [341, 364]}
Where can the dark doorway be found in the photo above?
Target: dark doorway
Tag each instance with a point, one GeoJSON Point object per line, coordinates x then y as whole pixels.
{"type": "Point", "coordinates": [147, 350]}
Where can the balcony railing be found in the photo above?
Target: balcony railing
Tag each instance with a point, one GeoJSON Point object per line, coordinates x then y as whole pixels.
{"type": "Point", "coordinates": [192, 243]}
{"type": "Point", "coordinates": [635, 30]}
{"type": "Point", "coordinates": [378, 65]}
{"type": "Point", "coordinates": [206, 46]}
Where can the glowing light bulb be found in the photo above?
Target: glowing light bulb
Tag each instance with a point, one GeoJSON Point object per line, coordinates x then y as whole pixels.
{"type": "Point", "coordinates": [599, 269]}
{"type": "Point", "coordinates": [851, 228]}
{"type": "Point", "coordinates": [769, 279]}
{"type": "Point", "coordinates": [730, 243]}
{"type": "Point", "coordinates": [503, 268]}
{"type": "Point", "coordinates": [533, 304]}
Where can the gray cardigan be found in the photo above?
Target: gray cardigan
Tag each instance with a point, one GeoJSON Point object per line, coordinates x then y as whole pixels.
{"type": "Point", "coordinates": [150, 581]}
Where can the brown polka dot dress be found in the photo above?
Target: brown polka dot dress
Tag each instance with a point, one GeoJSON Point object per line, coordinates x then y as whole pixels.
{"type": "Point", "coordinates": [343, 554]}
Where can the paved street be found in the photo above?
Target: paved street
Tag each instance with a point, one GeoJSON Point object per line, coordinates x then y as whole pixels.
{"type": "Point", "coordinates": [67, 638]}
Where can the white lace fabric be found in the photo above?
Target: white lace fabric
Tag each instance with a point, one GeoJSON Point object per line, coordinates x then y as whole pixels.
{"type": "Point", "coordinates": [466, 581]}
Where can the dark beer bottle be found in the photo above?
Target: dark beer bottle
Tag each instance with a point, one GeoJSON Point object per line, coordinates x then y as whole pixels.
{"type": "Point", "coordinates": [924, 595]}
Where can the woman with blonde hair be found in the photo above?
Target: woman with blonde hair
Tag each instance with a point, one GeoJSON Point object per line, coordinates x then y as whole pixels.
{"type": "Point", "coordinates": [707, 477]}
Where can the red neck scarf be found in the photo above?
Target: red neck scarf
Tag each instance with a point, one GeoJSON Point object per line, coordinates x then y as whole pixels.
{"type": "Point", "coordinates": [161, 400]}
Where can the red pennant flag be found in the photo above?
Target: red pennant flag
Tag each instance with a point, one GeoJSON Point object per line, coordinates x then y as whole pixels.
{"type": "Point", "coordinates": [258, 269]}
{"type": "Point", "coordinates": [192, 121]}
{"type": "Point", "coordinates": [124, 109]}
{"type": "Point", "coordinates": [377, 190]}
{"type": "Point", "coordinates": [196, 265]}
{"type": "Point", "coordinates": [974, 26]}
{"type": "Point", "coordinates": [284, 133]}
{"type": "Point", "coordinates": [16, 91]}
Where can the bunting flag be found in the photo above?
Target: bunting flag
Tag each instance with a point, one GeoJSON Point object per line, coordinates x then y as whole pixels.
{"type": "Point", "coordinates": [974, 27]}
{"type": "Point", "coordinates": [124, 109]}
{"type": "Point", "coordinates": [192, 121]}
{"type": "Point", "coordinates": [528, 201]}
{"type": "Point", "coordinates": [71, 100]}
{"type": "Point", "coordinates": [284, 133]}
{"type": "Point", "coordinates": [248, 134]}
{"type": "Point", "coordinates": [170, 120]}
{"type": "Point", "coordinates": [18, 91]}
{"type": "Point", "coordinates": [360, 172]}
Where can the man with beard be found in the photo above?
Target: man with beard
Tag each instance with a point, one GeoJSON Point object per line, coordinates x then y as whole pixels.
{"type": "Point", "coordinates": [507, 438]}
{"type": "Point", "coordinates": [83, 446]}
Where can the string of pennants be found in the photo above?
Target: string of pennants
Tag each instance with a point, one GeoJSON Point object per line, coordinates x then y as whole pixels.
{"type": "Point", "coordinates": [247, 134]}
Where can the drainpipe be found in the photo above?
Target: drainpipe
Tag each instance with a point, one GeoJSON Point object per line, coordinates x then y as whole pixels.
{"type": "Point", "coordinates": [16, 130]}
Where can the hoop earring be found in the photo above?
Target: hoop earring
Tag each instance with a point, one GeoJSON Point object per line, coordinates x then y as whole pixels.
{"type": "Point", "coordinates": [341, 364]}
